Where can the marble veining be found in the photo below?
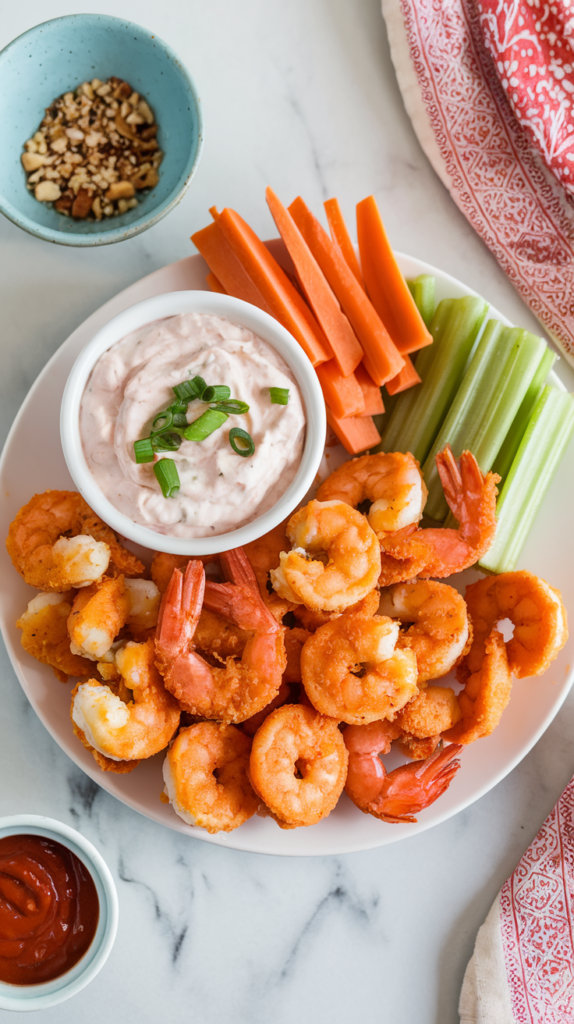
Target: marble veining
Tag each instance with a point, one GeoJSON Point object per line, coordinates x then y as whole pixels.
{"type": "Point", "coordinates": [301, 96]}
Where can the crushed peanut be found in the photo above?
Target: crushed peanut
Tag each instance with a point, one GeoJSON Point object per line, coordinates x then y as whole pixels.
{"type": "Point", "coordinates": [93, 151]}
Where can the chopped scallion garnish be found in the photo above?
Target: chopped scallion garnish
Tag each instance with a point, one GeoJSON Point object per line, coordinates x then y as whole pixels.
{"type": "Point", "coordinates": [241, 442]}
{"type": "Point", "coordinates": [168, 442]}
{"type": "Point", "coordinates": [279, 396]}
{"type": "Point", "coordinates": [143, 450]}
{"type": "Point", "coordinates": [167, 477]}
{"type": "Point", "coordinates": [233, 407]}
{"type": "Point", "coordinates": [217, 393]}
{"type": "Point", "coordinates": [162, 422]}
{"type": "Point", "coordinates": [202, 427]}
{"type": "Point", "coordinates": [188, 390]}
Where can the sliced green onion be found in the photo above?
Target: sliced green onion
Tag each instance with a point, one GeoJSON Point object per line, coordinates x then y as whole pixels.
{"type": "Point", "coordinates": [162, 422]}
{"type": "Point", "coordinates": [143, 450]}
{"type": "Point", "coordinates": [241, 442]}
{"type": "Point", "coordinates": [548, 434]}
{"type": "Point", "coordinates": [233, 407]}
{"type": "Point", "coordinates": [422, 289]}
{"type": "Point", "coordinates": [488, 399]}
{"type": "Point", "coordinates": [188, 390]}
{"type": "Point", "coordinates": [217, 393]}
{"type": "Point", "coordinates": [505, 457]}
{"type": "Point", "coordinates": [179, 419]}
{"type": "Point", "coordinates": [279, 396]}
{"type": "Point", "coordinates": [419, 412]}
{"type": "Point", "coordinates": [205, 424]}
{"type": "Point", "coordinates": [167, 477]}
{"type": "Point", "coordinates": [168, 442]}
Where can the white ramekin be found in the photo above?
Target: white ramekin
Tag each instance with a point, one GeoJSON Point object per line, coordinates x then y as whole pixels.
{"type": "Point", "coordinates": [40, 997]}
{"type": "Point", "coordinates": [239, 312]}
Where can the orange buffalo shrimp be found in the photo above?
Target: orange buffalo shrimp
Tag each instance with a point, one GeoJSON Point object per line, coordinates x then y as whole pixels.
{"type": "Point", "coordinates": [205, 775]}
{"type": "Point", "coordinates": [56, 542]}
{"type": "Point", "coordinates": [298, 765]}
{"type": "Point", "coordinates": [44, 627]}
{"type": "Point", "coordinates": [486, 692]}
{"type": "Point", "coordinates": [351, 667]}
{"type": "Point", "coordinates": [390, 481]}
{"type": "Point", "coordinates": [442, 552]}
{"type": "Point", "coordinates": [241, 688]}
{"type": "Point", "coordinates": [439, 635]}
{"type": "Point", "coordinates": [334, 561]}
{"type": "Point", "coordinates": [398, 795]}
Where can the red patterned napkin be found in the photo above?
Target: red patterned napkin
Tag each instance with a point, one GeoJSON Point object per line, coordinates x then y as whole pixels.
{"type": "Point", "coordinates": [522, 969]}
{"type": "Point", "coordinates": [455, 95]}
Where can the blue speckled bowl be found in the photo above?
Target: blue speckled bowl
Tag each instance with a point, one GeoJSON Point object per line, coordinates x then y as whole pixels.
{"type": "Point", "coordinates": [57, 56]}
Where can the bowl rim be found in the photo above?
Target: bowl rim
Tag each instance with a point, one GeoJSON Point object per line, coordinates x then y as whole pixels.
{"type": "Point", "coordinates": [245, 315]}
{"type": "Point", "coordinates": [120, 233]}
{"type": "Point", "coordinates": [37, 997]}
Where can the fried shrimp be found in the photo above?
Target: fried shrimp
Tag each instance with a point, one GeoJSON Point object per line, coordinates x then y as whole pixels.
{"type": "Point", "coordinates": [390, 481]}
{"type": "Point", "coordinates": [352, 670]}
{"type": "Point", "coordinates": [536, 612]}
{"type": "Point", "coordinates": [45, 635]}
{"type": "Point", "coordinates": [426, 552]}
{"type": "Point", "coordinates": [485, 695]}
{"type": "Point", "coordinates": [121, 731]}
{"type": "Point", "coordinates": [398, 795]}
{"type": "Point", "coordinates": [98, 614]}
{"type": "Point", "coordinates": [440, 634]}
{"type": "Point", "coordinates": [57, 542]}
{"type": "Point", "coordinates": [239, 689]}
{"type": "Point", "coordinates": [429, 714]}
{"type": "Point", "coordinates": [205, 774]}
{"type": "Point", "coordinates": [298, 765]}
{"type": "Point", "coordinates": [335, 559]}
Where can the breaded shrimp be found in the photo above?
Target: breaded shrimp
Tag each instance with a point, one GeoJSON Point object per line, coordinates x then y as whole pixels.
{"type": "Point", "coordinates": [120, 731]}
{"type": "Point", "coordinates": [45, 635]}
{"type": "Point", "coordinates": [335, 558]}
{"type": "Point", "coordinates": [298, 765]}
{"type": "Point", "coordinates": [205, 775]}
{"type": "Point", "coordinates": [391, 482]}
{"type": "Point", "coordinates": [56, 542]}
{"type": "Point", "coordinates": [440, 634]}
{"type": "Point", "coordinates": [351, 667]}
{"type": "Point", "coordinates": [486, 693]}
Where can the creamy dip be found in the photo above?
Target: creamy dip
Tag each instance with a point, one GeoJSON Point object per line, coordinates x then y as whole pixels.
{"type": "Point", "coordinates": [220, 490]}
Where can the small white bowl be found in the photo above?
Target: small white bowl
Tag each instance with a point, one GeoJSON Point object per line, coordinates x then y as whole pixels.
{"type": "Point", "coordinates": [40, 997]}
{"type": "Point", "coordinates": [239, 312]}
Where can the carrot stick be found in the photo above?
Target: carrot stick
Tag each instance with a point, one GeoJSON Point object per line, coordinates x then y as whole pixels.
{"type": "Point", "coordinates": [340, 235]}
{"type": "Point", "coordinates": [386, 286]}
{"type": "Point", "coordinates": [224, 264]}
{"type": "Point", "coordinates": [214, 212]}
{"type": "Point", "coordinates": [215, 284]}
{"type": "Point", "coordinates": [371, 392]}
{"type": "Point", "coordinates": [343, 340]}
{"type": "Point", "coordinates": [406, 378]}
{"type": "Point", "coordinates": [356, 433]}
{"type": "Point", "coordinates": [285, 303]}
{"type": "Point", "coordinates": [343, 394]}
{"type": "Point", "coordinates": [381, 358]}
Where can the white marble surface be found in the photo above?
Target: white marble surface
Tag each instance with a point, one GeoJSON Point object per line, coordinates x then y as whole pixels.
{"type": "Point", "coordinates": [302, 96]}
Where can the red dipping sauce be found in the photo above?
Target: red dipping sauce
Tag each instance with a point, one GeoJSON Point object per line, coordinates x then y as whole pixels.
{"type": "Point", "coordinates": [49, 909]}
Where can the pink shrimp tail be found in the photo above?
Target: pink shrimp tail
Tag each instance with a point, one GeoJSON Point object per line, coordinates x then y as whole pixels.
{"type": "Point", "coordinates": [412, 787]}
{"type": "Point", "coordinates": [180, 610]}
{"type": "Point", "coordinates": [366, 773]}
{"type": "Point", "coordinates": [239, 601]}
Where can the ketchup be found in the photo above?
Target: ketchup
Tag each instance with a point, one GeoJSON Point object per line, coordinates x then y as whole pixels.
{"type": "Point", "coordinates": [49, 909]}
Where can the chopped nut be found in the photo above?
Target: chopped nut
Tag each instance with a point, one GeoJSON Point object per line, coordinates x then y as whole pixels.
{"type": "Point", "coordinates": [93, 149]}
{"type": "Point", "coordinates": [31, 161]}
{"type": "Point", "coordinates": [120, 190]}
{"type": "Point", "coordinates": [59, 145]}
{"type": "Point", "coordinates": [145, 111]}
{"type": "Point", "coordinates": [47, 192]}
{"type": "Point", "coordinates": [82, 203]}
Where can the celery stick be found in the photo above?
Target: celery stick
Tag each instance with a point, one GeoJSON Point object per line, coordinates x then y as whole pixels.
{"type": "Point", "coordinates": [422, 289]}
{"type": "Point", "coordinates": [505, 457]}
{"type": "Point", "coordinates": [419, 412]}
{"type": "Point", "coordinates": [487, 401]}
{"type": "Point", "coordinates": [549, 431]}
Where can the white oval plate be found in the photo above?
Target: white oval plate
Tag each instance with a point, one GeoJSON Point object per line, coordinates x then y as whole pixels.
{"type": "Point", "coordinates": [32, 461]}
